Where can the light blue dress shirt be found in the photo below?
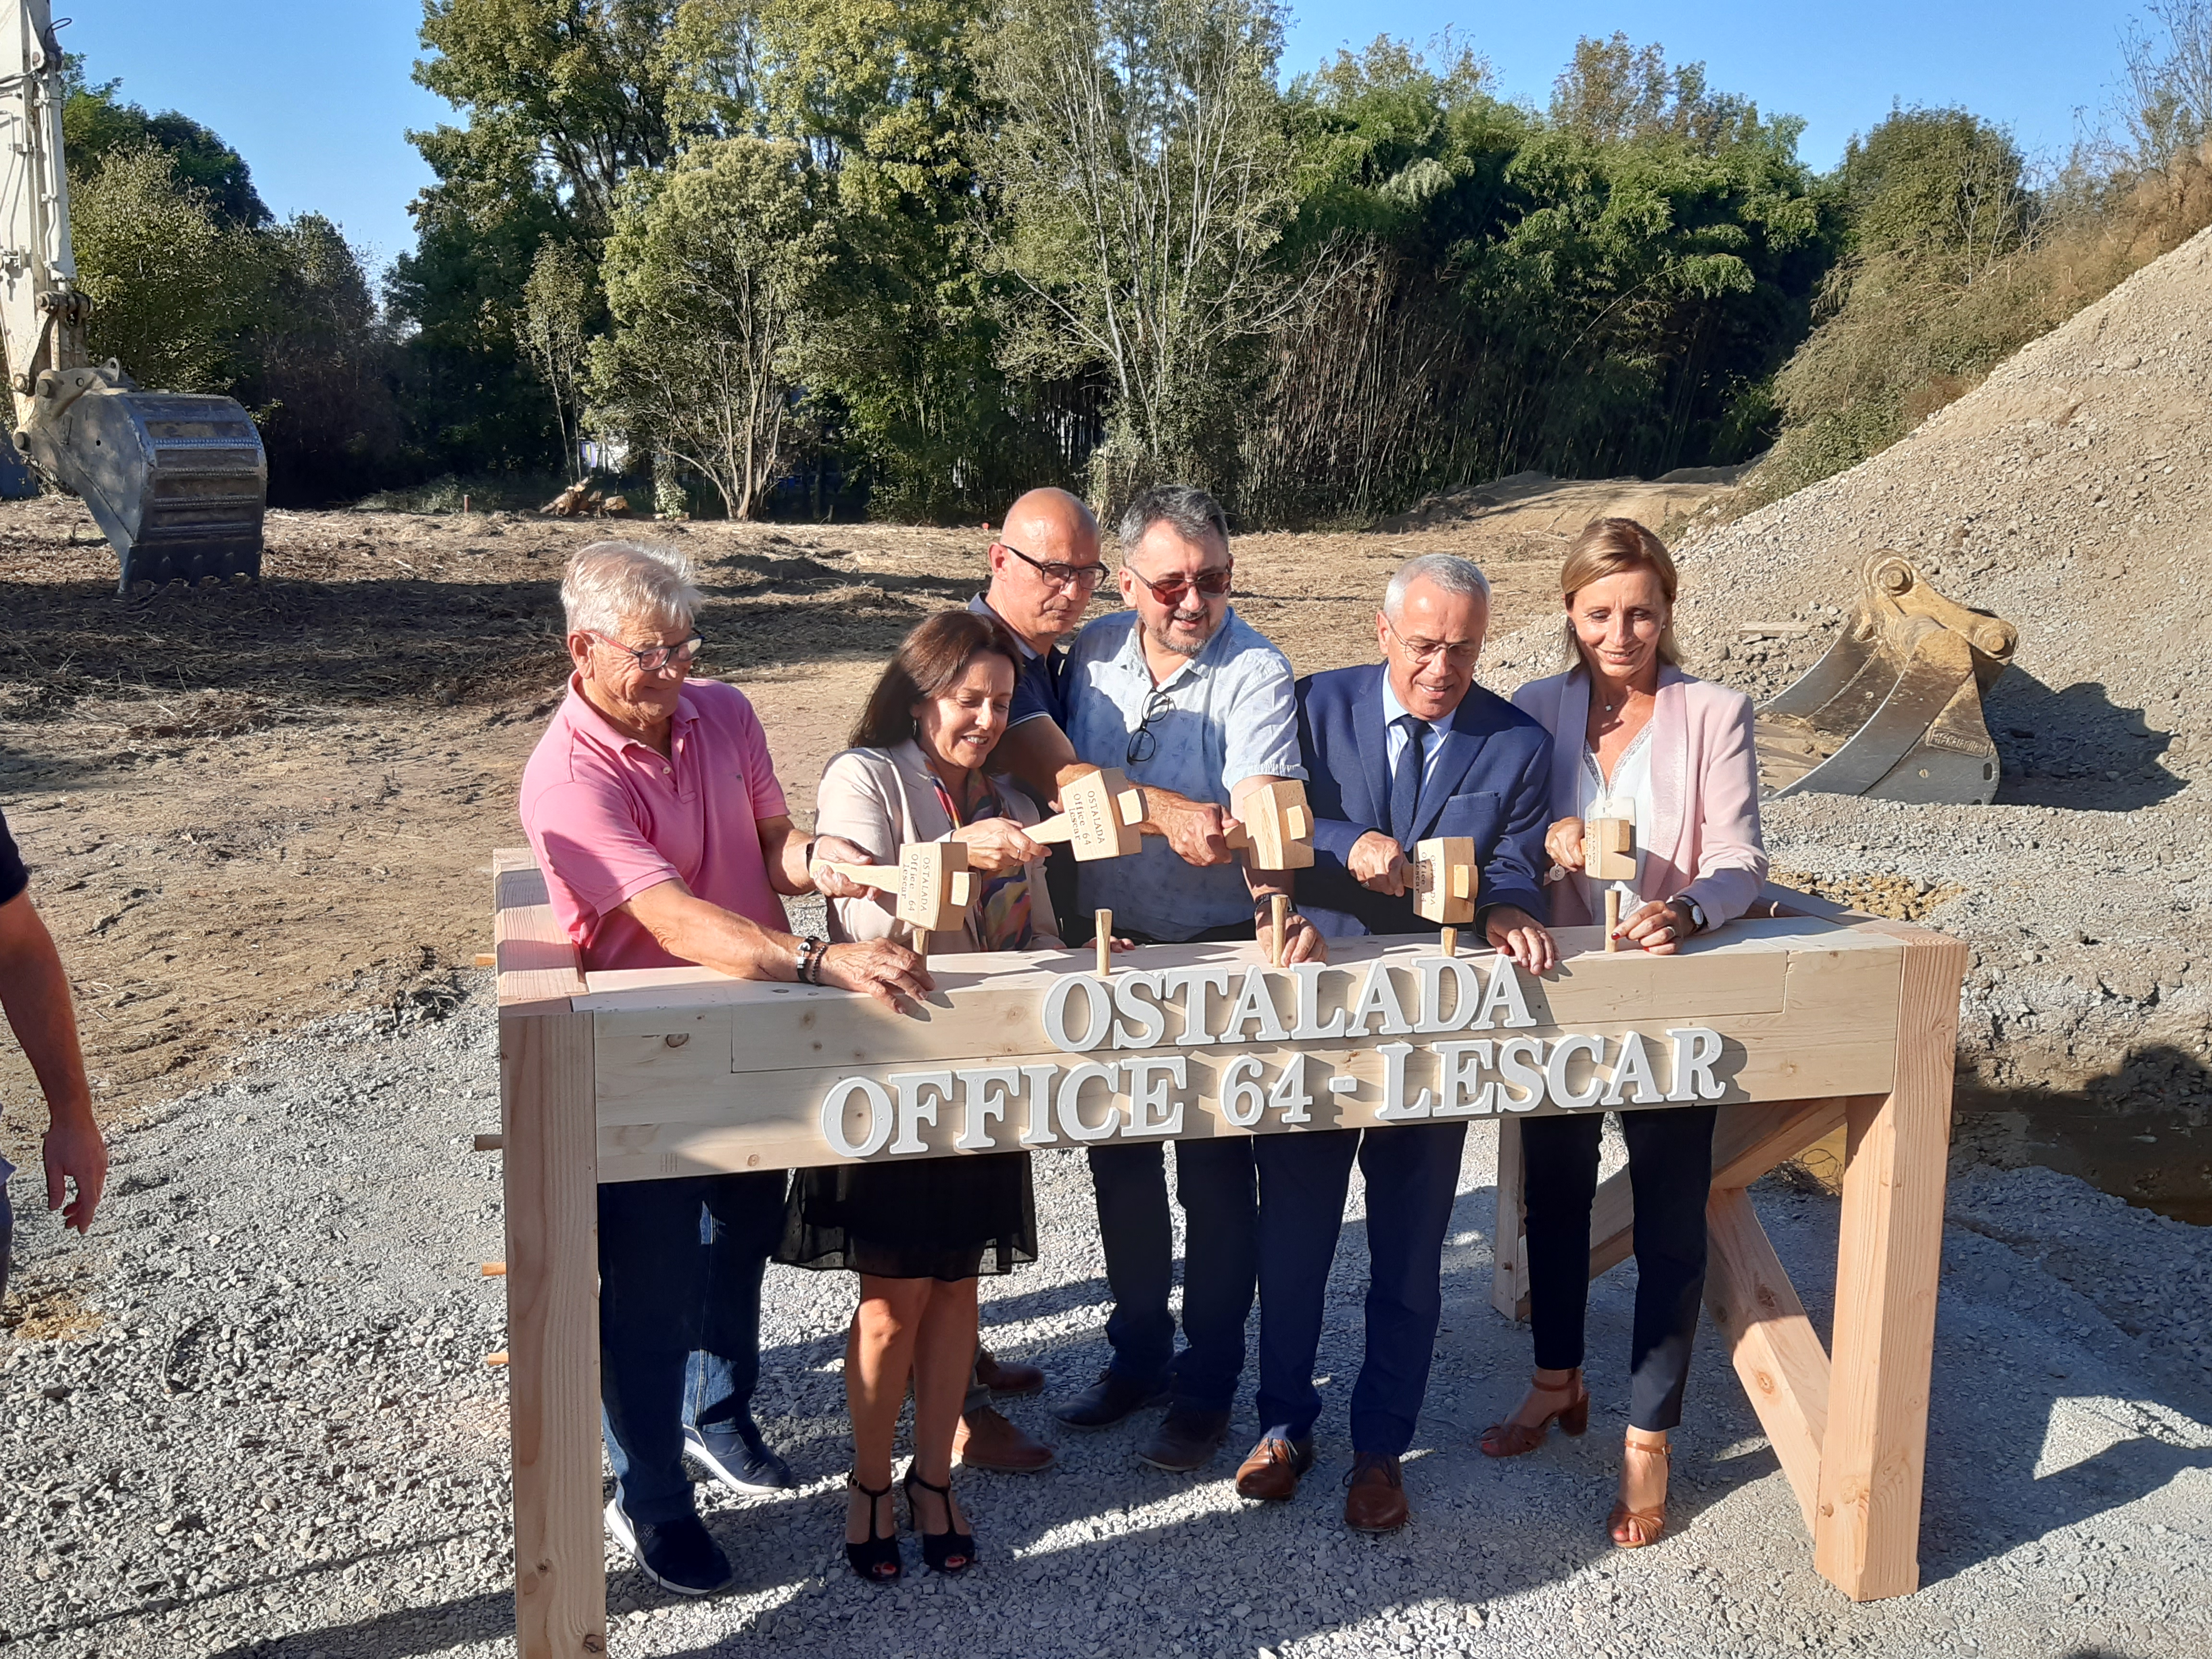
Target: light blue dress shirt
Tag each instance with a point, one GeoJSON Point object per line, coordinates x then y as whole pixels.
{"type": "Point", "coordinates": [1233, 716]}
{"type": "Point", "coordinates": [1394, 739]}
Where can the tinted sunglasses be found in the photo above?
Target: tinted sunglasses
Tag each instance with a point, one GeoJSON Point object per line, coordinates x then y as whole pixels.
{"type": "Point", "coordinates": [1210, 583]}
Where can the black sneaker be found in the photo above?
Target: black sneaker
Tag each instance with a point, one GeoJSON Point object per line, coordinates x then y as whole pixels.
{"type": "Point", "coordinates": [1108, 1400]}
{"type": "Point", "coordinates": [741, 1461]}
{"type": "Point", "coordinates": [677, 1555]}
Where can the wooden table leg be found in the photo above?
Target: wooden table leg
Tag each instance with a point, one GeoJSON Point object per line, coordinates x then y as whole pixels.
{"type": "Point", "coordinates": [552, 1127]}
{"type": "Point", "coordinates": [1866, 1530]}
{"type": "Point", "coordinates": [1509, 1288]}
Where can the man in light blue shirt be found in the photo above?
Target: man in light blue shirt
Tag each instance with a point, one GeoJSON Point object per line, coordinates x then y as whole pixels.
{"type": "Point", "coordinates": [1182, 696]}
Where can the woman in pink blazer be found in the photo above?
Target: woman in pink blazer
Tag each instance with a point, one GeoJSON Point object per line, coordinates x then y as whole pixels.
{"type": "Point", "coordinates": [1632, 736]}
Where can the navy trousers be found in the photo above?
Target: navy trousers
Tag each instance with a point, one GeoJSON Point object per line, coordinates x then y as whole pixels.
{"type": "Point", "coordinates": [1221, 1245]}
{"type": "Point", "coordinates": [1213, 1184]}
{"type": "Point", "coordinates": [680, 1265]}
{"type": "Point", "coordinates": [1411, 1172]}
{"type": "Point", "coordinates": [1670, 1168]}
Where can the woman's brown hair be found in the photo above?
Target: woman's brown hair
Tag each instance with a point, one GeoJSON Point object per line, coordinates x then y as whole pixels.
{"type": "Point", "coordinates": [932, 657]}
{"type": "Point", "coordinates": [1608, 547]}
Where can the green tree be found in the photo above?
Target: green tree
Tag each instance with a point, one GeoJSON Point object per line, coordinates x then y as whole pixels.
{"type": "Point", "coordinates": [96, 123]}
{"type": "Point", "coordinates": [711, 277]}
{"type": "Point", "coordinates": [171, 284]}
{"type": "Point", "coordinates": [559, 301]}
{"type": "Point", "coordinates": [1144, 176]}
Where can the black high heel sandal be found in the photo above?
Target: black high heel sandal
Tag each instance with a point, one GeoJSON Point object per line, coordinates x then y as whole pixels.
{"type": "Point", "coordinates": [939, 1549]}
{"type": "Point", "coordinates": [877, 1560]}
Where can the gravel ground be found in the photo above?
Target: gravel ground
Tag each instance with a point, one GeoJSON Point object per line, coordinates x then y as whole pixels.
{"type": "Point", "coordinates": [268, 1431]}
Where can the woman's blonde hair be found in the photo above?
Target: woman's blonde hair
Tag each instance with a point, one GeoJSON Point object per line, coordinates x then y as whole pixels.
{"type": "Point", "coordinates": [1609, 547]}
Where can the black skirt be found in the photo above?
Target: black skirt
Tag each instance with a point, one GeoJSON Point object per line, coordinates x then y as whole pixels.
{"type": "Point", "coordinates": [941, 1217]}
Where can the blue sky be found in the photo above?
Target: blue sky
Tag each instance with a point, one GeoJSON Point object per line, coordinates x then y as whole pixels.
{"type": "Point", "coordinates": [315, 94]}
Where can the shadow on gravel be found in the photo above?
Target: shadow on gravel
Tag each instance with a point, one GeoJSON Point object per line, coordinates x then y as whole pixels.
{"type": "Point", "coordinates": [395, 1635]}
{"type": "Point", "coordinates": [2075, 748]}
{"type": "Point", "coordinates": [437, 1634]}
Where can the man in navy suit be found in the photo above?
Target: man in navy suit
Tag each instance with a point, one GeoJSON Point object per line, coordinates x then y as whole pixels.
{"type": "Point", "coordinates": [1395, 753]}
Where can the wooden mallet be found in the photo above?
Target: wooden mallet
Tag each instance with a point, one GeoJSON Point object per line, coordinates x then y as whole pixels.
{"type": "Point", "coordinates": [1444, 885]}
{"type": "Point", "coordinates": [1099, 817]}
{"type": "Point", "coordinates": [1609, 855]}
{"type": "Point", "coordinates": [1275, 827]}
{"type": "Point", "coordinates": [933, 881]}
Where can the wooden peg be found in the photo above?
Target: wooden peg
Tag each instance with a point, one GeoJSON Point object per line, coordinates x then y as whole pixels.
{"type": "Point", "coordinates": [488, 1144]}
{"type": "Point", "coordinates": [933, 881]}
{"type": "Point", "coordinates": [1278, 915]}
{"type": "Point", "coordinates": [920, 941]}
{"type": "Point", "coordinates": [1450, 943]}
{"type": "Point", "coordinates": [486, 959]}
{"type": "Point", "coordinates": [1444, 878]}
{"type": "Point", "coordinates": [1612, 918]}
{"type": "Point", "coordinates": [1099, 816]}
{"type": "Point", "coordinates": [496, 1357]}
{"type": "Point", "coordinates": [1275, 827]}
{"type": "Point", "coordinates": [495, 1270]}
{"type": "Point", "coordinates": [1104, 920]}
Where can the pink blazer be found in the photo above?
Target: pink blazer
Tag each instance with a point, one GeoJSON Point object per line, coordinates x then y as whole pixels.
{"type": "Point", "coordinates": [1705, 782]}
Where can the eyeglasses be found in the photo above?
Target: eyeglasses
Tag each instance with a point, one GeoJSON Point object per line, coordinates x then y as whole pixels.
{"type": "Point", "coordinates": [1210, 583]}
{"type": "Point", "coordinates": [1460, 653]}
{"type": "Point", "coordinates": [651, 658]}
{"type": "Point", "coordinates": [1144, 742]}
{"type": "Point", "coordinates": [1058, 574]}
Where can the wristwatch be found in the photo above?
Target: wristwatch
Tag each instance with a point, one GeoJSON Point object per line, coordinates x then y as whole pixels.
{"type": "Point", "coordinates": [1698, 922]}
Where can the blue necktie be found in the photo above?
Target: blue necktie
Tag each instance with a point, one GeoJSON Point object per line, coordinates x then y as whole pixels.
{"type": "Point", "coordinates": [1406, 783]}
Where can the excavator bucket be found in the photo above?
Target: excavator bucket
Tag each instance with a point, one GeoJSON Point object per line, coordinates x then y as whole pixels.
{"type": "Point", "coordinates": [1894, 710]}
{"type": "Point", "coordinates": [176, 481]}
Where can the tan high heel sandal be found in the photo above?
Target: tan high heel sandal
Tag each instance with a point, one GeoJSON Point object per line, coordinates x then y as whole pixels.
{"type": "Point", "coordinates": [1633, 1529]}
{"type": "Point", "coordinates": [1511, 1439]}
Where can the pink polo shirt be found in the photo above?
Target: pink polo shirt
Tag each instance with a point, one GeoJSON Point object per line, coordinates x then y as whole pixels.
{"type": "Point", "coordinates": [609, 816]}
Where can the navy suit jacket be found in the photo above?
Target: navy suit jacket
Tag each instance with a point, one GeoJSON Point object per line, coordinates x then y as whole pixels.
{"type": "Point", "coordinates": [1492, 781]}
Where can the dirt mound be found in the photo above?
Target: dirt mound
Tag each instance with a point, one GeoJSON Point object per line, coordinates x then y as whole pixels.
{"type": "Point", "coordinates": [1538, 505]}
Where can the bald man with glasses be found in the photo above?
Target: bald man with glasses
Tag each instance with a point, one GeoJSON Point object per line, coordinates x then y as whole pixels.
{"type": "Point", "coordinates": [1186, 697]}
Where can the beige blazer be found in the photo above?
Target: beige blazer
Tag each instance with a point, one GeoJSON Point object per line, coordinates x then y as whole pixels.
{"type": "Point", "coordinates": [879, 799]}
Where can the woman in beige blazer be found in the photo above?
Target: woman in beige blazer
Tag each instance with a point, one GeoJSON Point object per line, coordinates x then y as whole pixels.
{"type": "Point", "coordinates": [919, 1233]}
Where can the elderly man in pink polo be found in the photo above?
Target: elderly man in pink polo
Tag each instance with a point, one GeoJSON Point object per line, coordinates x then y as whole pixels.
{"type": "Point", "coordinates": [657, 818]}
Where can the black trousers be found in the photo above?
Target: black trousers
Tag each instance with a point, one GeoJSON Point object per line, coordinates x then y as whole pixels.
{"type": "Point", "coordinates": [1670, 1168]}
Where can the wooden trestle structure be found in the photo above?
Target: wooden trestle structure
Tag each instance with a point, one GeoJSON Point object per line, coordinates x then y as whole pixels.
{"type": "Point", "coordinates": [1825, 1020]}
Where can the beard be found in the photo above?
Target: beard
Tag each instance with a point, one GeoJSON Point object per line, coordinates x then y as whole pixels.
{"type": "Point", "coordinates": [1183, 644]}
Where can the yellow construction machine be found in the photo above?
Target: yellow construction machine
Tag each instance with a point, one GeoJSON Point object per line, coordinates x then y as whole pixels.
{"type": "Point", "coordinates": [176, 481]}
{"type": "Point", "coordinates": [1894, 710]}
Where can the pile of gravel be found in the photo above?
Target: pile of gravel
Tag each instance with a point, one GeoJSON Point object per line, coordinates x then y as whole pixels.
{"type": "Point", "coordinates": [274, 1435]}
{"type": "Point", "coordinates": [2069, 494]}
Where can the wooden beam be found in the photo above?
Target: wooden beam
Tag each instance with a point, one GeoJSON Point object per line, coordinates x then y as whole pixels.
{"type": "Point", "coordinates": [538, 968]}
{"type": "Point", "coordinates": [1776, 1353]}
{"type": "Point", "coordinates": [1750, 1140]}
{"type": "Point", "coordinates": [1509, 1286]}
{"type": "Point", "coordinates": [553, 1334]}
{"type": "Point", "coordinates": [1866, 1530]}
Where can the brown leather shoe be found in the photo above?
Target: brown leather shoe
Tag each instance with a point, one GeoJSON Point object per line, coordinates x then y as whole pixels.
{"type": "Point", "coordinates": [1014, 1382]}
{"type": "Point", "coordinates": [1377, 1500]}
{"type": "Point", "coordinates": [1271, 1471]}
{"type": "Point", "coordinates": [986, 1439]}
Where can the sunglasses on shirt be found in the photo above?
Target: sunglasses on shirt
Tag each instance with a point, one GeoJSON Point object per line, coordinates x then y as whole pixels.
{"type": "Point", "coordinates": [1211, 584]}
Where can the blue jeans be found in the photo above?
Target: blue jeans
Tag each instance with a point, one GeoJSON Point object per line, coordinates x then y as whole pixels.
{"type": "Point", "coordinates": [1221, 1263]}
{"type": "Point", "coordinates": [680, 1265]}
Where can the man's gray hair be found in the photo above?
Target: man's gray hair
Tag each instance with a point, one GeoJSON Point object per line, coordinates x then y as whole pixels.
{"type": "Point", "coordinates": [609, 584]}
{"type": "Point", "coordinates": [1195, 515]}
{"type": "Point", "coordinates": [1447, 570]}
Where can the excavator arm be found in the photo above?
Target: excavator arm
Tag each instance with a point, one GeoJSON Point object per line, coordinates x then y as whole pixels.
{"type": "Point", "coordinates": [176, 481]}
